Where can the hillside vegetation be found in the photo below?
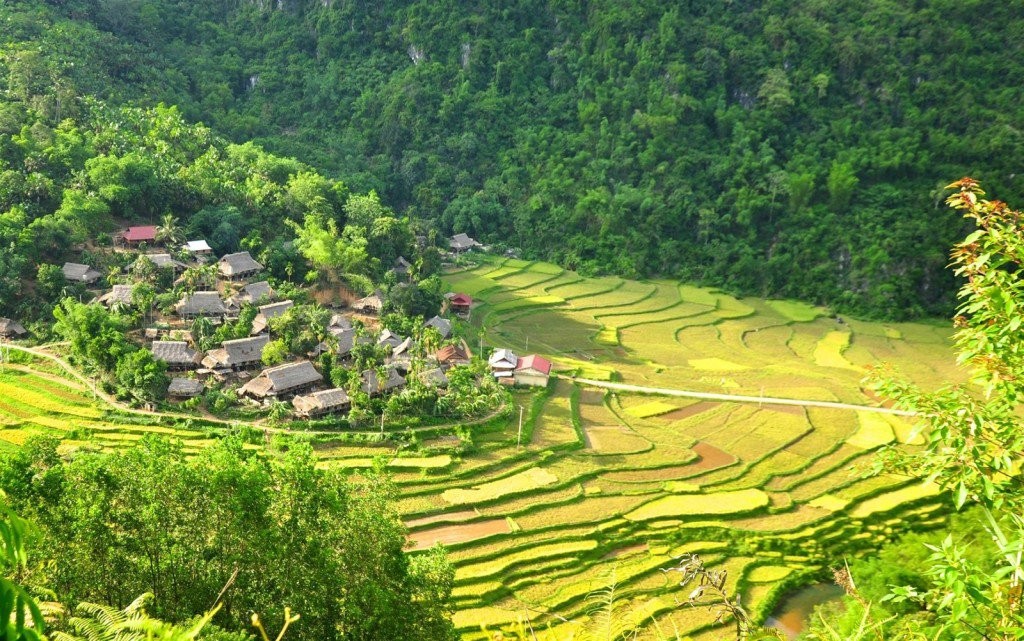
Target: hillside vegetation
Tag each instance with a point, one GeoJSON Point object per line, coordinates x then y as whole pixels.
{"type": "Point", "coordinates": [787, 148]}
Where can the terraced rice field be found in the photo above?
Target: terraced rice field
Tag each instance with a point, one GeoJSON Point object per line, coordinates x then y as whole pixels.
{"type": "Point", "coordinates": [622, 483]}
{"type": "Point", "coordinates": [612, 486]}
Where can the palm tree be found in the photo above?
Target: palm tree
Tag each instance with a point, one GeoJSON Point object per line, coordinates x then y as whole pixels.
{"type": "Point", "coordinates": [169, 232]}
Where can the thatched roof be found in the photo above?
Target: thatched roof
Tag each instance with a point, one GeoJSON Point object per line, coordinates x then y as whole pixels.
{"type": "Point", "coordinates": [442, 325]}
{"type": "Point", "coordinates": [322, 402]}
{"type": "Point", "coordinates": [462, 242]}
{"type": "Point", "coordinates": [254, 292]}
{"type": "Point", "coordinates": [374, 302]}
{"type": "Point", "coordinates": [11, 328]}
{"type": "Point", "coordinates": [372, 386]}
{"type": "Point", "coordinates": [347, 339]}
{"type": "Point", "coordinates": [175, 353]}
{"type": "Point", "coordinates": [238, 263]}
{"type": "Point", "coordinates": [402, 349]}
{"type": "Point", "coordinates": [165, 260]}
{"type": "Point", "coordinates": [340, 321]}
{"type": "Point", "coordinates": [120, 295]}
{"type": "Point", "coordinates": [389, 338]}
{"type": "Point", "coordinates": [282, 379]}
{"type": "Point", "coordinates": [184, 388]}
{"type": "Point", "coordinates": [266, 312]}
{"type": "Point", "coordinates": [201, 304]}
{"type": "Point", "coordinates": [434, 378]}
{"type": "Point", "coordinates": [80, 273]}
{"type": "Point", "coordinates": [237, 353]}
{"type": "Point", "coordinates": [401, 266]}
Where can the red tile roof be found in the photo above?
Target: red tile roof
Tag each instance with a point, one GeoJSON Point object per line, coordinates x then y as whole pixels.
{"type": "Point", "coordinates": [461, 300]}
{"type": "Point", "coordinates": [451, 353]}
{"type": "Point", "coordinates": [135, 234]}
{"type": "Point", "coordinates": [533, 361]}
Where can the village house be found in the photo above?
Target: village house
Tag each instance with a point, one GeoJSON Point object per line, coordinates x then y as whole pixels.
{"type": "Point", "coordinates": [533, 370]}
{"type": "Point", "coordinates": [198, 248]}
{"type": "Point", "coordinates": [374, 386]}
{"type": "Point", "coordinates": [401, 355]}
{"type": "Point", "coordinates": [434, 378]}
{"type": "Point", "coordinates": [137, 235]}
{"type": "Point", "coordinates": [200, 304]}
{"type": "Point", "coordinates": [401, 268]}
{"type": "Point", "coordinates": [389, 338]}
{"type": "Point", "coordinates": [451, 355]}
{"type": "Point", "coordinates": [11, 329]}
{"type": "Point", "coordinates": [328, 401]}
{"type": "Point", "coordinates": [165, 261]}
{"type": "Point", "coordinates": [346, 340]}
{"type": "Point", "coordinates": [255, 292]}
{"type": "Point", "coordinates": [78, 273]}
{"type": "Point", "coordinates": [340, 321]}
{"type": "Point", "coordinates": [119, 297]}
{"type": "Point", "coordinates": [177, 354]}
{"type": "Point", "coordinates": [503, 365]}
{"type": "Point", "coordinates": [240, 353]}
{"type": "Point", "coordinates": [238, 266]}
{"type": "Point", "coordinates": [460, 304]}
{"type": "Point", "coordinates": [461, 242]}
{"type": "Point", "coordinates": [371, 304]}
{"type": "Point", "coordinates": [266, 312]}
{"type": "Point", "coordinates": [283, 380]}
{"type": "Point", "coordinates": [184, 388]}
{"type": "Point", "coordinates": [442, 325]}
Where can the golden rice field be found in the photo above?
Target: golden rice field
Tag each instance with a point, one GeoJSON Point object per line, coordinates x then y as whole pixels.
{"type": "Point", "coordinates": [612, 486]}
{"type": "Point", "coordinates": [616, 485]}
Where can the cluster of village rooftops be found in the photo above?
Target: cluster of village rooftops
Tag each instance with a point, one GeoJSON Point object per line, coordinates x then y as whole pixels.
{"type": "Point", "coordinates": [299, 381]}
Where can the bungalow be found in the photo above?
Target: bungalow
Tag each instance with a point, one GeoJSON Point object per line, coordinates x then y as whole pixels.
{"type": "Point", "coordinates": [238, 265]}
{"type": "Point", "coordinates": [255, 292]}
{"type": "Point", "coordinates": [197, 248]}
{"type": "Point", "coordinates": [533, 370]}
{"type": "Point", "coordinates": [442, 325]}
{"type": "Point", "coordinates": [136, 235]}
{"type": "Point", "coordinates": [460, 304]}
{"type": "Point", "coordinates": [452, 355]}
{"type": "Point", "coordinates": [503, 364]}
{"type": "Point", "coordinates": [389, 338]}
{"type": "Point", "coordinates": [283, 380]}
{"type": "Point", "coordinates": [165, 261]}
{"type": "Point", "coordinates": [177, 354]}
{"type": "Point", "coordinates": [373, 386]}
{"type": "Point", "coordinates": [200, 304]}
{"type": "Point", "coordinates": [237, 354]}
{"type": "Point", "coordinates": [266, 312]}
{"type": "Point", "coordinates": [401, 267]}
{"type": "Point", "coordinates": [461, 242]}
{"type": "Point", "coordinates": [434, 378]}
{"type": "Point", "coordinates": [184, 388]}
{"type": "Point", "coordinates": [401, 355]}
{"type": "Point", "coordinates": [340, 321]}
{"type": "Point", "coordinates": [79, 273]}
{"type": "Point", "coordinates": [117, 298]}
{"type": "Point", "coordinates": [347, 339]}
{"type": "Point", "coordinates": [320, 403]}
{"type": "Point", "coordinates": [372, 304]}
{"type": "Point", "coordinates": [11, 328]}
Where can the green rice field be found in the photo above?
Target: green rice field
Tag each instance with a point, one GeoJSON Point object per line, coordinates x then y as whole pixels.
{"type": "Point", "coordinates": [608, 486]}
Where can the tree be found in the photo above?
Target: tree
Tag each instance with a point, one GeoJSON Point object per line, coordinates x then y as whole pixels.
{"type": "Point", "coordinates": [169, 232]}
{"type": "Point", "coordinates": [141, 376]}
{"type": "Point", "coordinates": [973, 431]}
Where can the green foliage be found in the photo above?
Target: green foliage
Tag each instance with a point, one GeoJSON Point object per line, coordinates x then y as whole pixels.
{"type": "Point", "coordinates": [275, 531]}
{"type": "Point", "coordinates": [20, 618]}
{"type": "Point", "coordinates": [723, 144]}
{"type": "Point", "coordinates": [973, 434]}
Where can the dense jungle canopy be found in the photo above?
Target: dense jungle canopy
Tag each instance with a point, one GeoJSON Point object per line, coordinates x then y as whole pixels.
{"type": "Point", "coordinates": [782, 147]}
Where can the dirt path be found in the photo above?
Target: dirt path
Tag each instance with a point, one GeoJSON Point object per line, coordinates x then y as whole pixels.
{"type": "Point", "coordinates": [738, 398]}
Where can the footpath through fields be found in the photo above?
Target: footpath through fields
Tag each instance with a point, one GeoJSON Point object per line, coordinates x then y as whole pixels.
{"type": "Point", "coordinates": [738, 398]}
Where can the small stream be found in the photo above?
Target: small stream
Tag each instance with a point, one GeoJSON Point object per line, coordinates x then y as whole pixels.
{"type": "Point", "coordinates": [795, 608]}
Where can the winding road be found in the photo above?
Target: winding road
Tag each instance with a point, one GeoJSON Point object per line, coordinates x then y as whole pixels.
{"type": "Point", "coordinates": [738, 398]}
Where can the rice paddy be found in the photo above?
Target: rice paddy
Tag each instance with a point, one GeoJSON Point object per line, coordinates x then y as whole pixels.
{"type": "Point", "coordinates": [600, 483]}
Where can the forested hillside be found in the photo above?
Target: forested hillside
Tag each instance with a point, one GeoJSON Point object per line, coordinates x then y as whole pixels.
{"type": "Point", "coordinates": [784, 147]}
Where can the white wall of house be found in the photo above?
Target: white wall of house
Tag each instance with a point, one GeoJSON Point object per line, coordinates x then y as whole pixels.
{"type": "Point", "coordinates": [534, 379]}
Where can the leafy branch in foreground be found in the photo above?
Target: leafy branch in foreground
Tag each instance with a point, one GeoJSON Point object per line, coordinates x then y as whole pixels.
{"type": "Point", "coordinates": [20, 618]}
{"type": "Point", "coordinates": [974, 437]}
